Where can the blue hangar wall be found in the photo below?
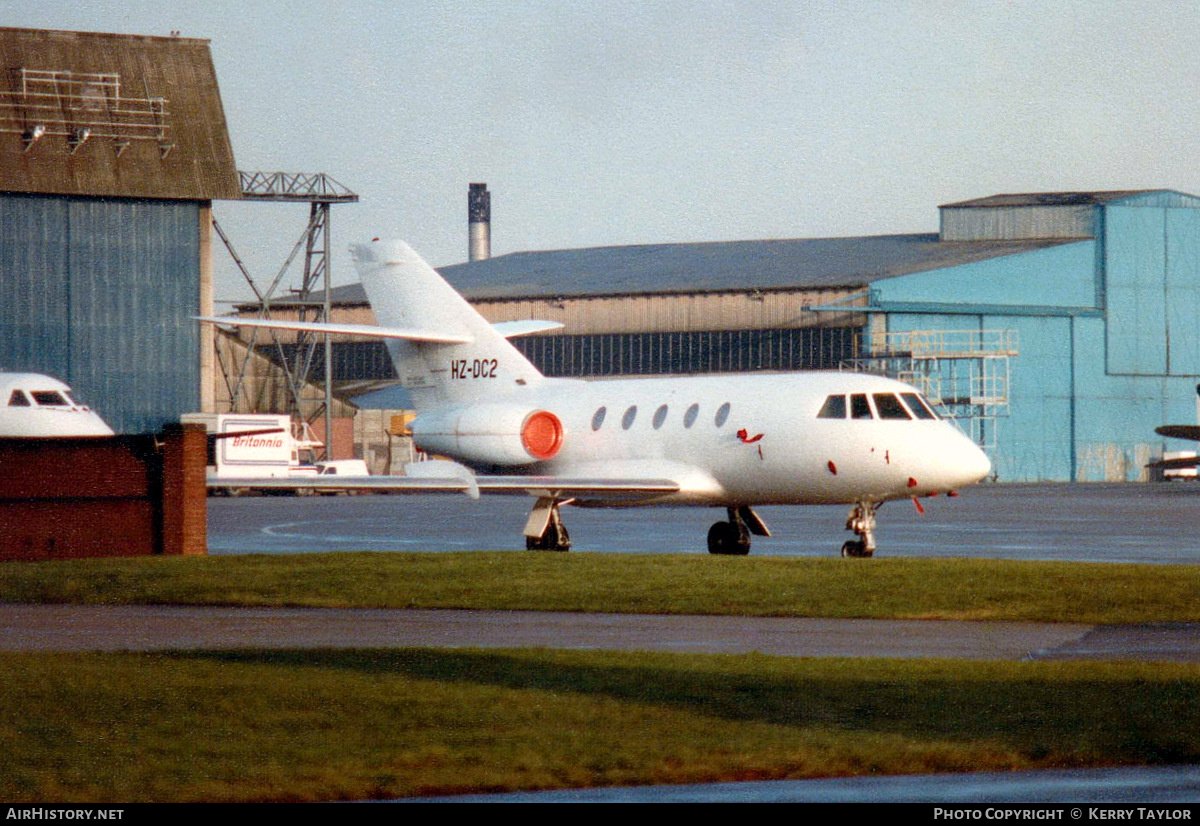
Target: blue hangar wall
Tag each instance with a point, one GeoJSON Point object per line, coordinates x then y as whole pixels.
{"type": "Point", "coordinates": [1108, 327]}
{"type": "Point", "coordinates": [100, 293]}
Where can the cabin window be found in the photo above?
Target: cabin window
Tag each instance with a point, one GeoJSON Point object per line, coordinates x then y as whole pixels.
{"type": "Point", "coordinates": [49, 398]}
{"type": "Point", "coordinates": [689, 416]}
{"type": "Point", "coordinates": [834, 408]}
{"type": "Point", "coordinates": [598, 418]}
{"type": "Point", "coordinates": [859, 408]}
{"type": "Point", "coordinates": [918, 406]}
{"type": "Point", "coordinates": [660, 416]}
{"type": "Point", "coordinates": [630, 415]}
{"type": "Point", "coordinates": [722, 414]}
{"type": "Point", "coordinates": [889, 407]}
{"type": "Point", "coordinates": [18, 399]}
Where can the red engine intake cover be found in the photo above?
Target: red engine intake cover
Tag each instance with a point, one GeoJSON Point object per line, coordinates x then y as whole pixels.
{"type": "Point", "coordinates": [542, 434]}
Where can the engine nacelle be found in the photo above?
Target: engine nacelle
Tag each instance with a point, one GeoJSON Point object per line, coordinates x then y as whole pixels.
{"type": "Point", "coordinates": [491, 434]}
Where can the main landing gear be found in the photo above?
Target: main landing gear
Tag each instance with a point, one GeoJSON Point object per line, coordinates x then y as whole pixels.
{"type": "Point", "coordinates": [862, 522]}
{"type": "Point", "coordinates": [545, 530]}
{"type": "Point", "coordinates": [732, 538]}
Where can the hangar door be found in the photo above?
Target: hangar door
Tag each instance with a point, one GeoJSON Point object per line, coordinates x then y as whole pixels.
{"type": "Point", "coordinates": [100, 293]}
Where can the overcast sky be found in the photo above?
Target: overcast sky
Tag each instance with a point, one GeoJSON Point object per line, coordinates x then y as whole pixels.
{"type": "Point", "coordinates": [626, 122]}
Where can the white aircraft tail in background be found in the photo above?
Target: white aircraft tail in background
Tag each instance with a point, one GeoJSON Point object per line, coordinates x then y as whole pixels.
{"type": "Point", "coordinates": [731, 440]}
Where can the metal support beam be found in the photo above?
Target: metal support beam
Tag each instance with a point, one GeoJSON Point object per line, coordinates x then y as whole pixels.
{"type": "Point", "coordinates": [320, 192]}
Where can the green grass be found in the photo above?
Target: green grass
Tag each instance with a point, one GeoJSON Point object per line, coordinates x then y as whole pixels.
{"type": "Point", "coordinates": [328, 725]}
{"type": "Point", "coordinates": [659, 584]}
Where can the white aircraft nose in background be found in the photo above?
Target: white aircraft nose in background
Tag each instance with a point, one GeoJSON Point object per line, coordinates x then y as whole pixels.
{"type": "Point", "coordinates": [33, 405]}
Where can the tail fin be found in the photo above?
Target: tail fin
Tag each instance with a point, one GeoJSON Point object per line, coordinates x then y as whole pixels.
{"type": "Point", "coordinates": [405, 292]}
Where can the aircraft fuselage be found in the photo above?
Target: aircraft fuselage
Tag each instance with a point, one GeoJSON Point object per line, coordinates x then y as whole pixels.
{"type": "Point", "coordinates": [739, 439]}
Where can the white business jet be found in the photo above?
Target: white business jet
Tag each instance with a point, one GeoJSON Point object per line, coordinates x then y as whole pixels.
{"type": "Point", "coordinates": [733, 441]}
{"type": "Point", "coordinates": [39, 407]}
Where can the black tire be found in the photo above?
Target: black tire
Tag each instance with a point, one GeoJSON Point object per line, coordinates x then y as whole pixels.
{"type": "Point", "coordinates": [857, 550]}
{"type": "Point", "coordinates": [725, 539]}
{"type": "Point", "coordinates": [554, 539]}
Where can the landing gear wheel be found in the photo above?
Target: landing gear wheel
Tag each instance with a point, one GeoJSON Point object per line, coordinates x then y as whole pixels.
{"type": "Point", "coordinates": [856, 550]}
{"type": "Point", "coordinates": [730, 538]}
{"type": "Point", "coordinates": [555, 537]}
{"type": "Point", "coordinates": [862, 522]}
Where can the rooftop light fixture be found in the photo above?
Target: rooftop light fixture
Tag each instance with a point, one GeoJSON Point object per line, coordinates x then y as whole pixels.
{"type": "Point", "coordinates": [32, 135]}
{"type": "Point", "coordinates": [78, 137]}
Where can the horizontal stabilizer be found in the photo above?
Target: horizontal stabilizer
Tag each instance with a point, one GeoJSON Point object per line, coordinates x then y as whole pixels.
{"type": "Point", "coordinates": [365, 330]}
{"type": "Point", "coordinates": [511, 329]}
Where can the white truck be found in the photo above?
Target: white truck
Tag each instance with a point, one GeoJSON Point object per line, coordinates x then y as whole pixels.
{"type": "Point", "coordinates": [254, 446]}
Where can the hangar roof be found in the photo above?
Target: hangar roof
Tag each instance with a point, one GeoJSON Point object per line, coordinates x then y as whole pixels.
{"type": "Point", "coordinates": [1153, 197]}
{"type": "Point", "coordinates": [823, 263]}
{"type": "Point", "coordinates": [155, 126]}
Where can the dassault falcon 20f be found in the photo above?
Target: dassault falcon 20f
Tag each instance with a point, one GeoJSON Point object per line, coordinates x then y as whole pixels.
{"type": "Point", "coordinates": [733, 441]}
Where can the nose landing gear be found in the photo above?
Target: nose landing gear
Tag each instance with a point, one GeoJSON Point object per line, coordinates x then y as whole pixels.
{"type": "Point", "coordinates": [862, 522]}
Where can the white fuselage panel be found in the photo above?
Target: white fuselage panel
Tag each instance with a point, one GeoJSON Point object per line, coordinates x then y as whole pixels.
{"type": "Point", "coordinates": [750, 439]}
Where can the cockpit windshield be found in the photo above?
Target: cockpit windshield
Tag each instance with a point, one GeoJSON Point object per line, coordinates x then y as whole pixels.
{"type": "Point", "coordinates": [859, 409]}
{"type": "Point", "coordinates": [49, 398]}
{"type": "Point", "coordinates": [889, 407]}
{"type": "Point", "coordinates": [834, 408]}
{"type": "Point", "coordinates": [918, 406]}
{"type": "Point", "coordinates": [878, 405]}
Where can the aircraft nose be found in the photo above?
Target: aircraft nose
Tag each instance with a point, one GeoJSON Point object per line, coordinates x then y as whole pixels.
{"type": "Point", "coordinates": [982, 466]}
{"type": "Point", "coordinates": [972, 464]}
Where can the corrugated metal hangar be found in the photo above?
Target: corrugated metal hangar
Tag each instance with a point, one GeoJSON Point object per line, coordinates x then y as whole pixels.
{"type": "Point", "coordinates": [1060, 328]}
{"type": "Point", "coordinates": [1104, 316]}
{"type": "Point", "coordinates": [114, 147]}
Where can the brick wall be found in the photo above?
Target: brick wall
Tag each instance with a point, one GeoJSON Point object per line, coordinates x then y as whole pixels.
{"type": "Point", "coordinates": [115, 496]}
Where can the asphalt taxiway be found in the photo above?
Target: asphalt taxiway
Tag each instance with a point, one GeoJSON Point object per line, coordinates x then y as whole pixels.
{"type": "Point", "coordinates": [1140, 523]}
{"type": "Point", "coordinates": [1161, 786]}
{"type": "Point", "coordinates": [162, 627]}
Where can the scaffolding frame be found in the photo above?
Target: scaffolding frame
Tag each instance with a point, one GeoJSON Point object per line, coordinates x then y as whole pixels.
{"type": "Point", "coordinates": [80, 106]}
{"type": "Point", "coordinates": [965, 373]}
{"type": "Point", "coordinates": [320, 192]}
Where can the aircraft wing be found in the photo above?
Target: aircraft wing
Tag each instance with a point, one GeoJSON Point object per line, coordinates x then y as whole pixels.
{"type": "Point", "coordinates": [558, 487]}
{"type": "Point", "coordinates": [1179, 431]}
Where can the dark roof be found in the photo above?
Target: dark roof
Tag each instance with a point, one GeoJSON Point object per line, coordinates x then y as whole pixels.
{"type": "Point", "coordinates": [823, 263]}
{"type": "Point", "coordinates": [151, 105]}
{"type": "Point", "coordinates": [1053, 198]}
